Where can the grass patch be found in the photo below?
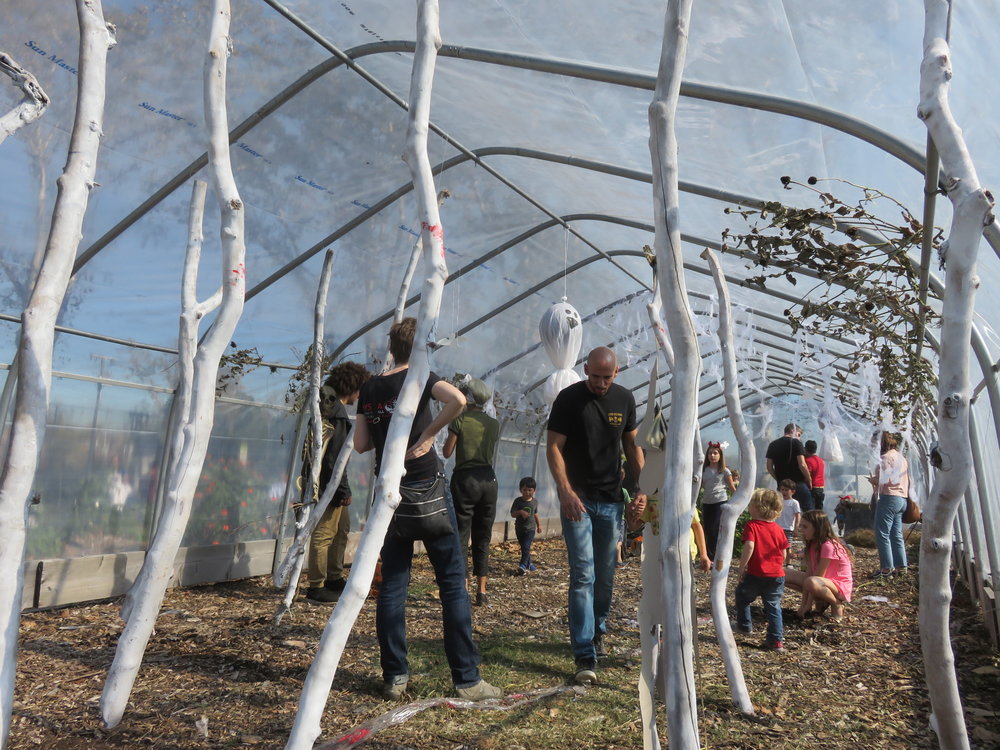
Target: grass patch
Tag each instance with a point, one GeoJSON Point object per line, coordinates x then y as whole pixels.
{"type": "Point", "coordinates": [603, 717]}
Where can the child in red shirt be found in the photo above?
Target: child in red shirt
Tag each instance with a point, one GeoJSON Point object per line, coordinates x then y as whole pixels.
{"type": "Point", "coordinates": [761, 571]}
{"type": "Point", "coordinates": [817, 468]}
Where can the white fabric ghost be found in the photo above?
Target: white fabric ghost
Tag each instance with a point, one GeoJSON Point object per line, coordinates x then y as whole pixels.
{"type": "Point", "coordinates": [561, 332]}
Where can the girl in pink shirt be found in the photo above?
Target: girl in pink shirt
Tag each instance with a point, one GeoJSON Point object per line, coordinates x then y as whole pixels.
{"type": "Point", "coordinates": [829, 577]}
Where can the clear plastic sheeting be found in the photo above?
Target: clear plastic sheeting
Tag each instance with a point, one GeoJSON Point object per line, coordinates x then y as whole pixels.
{"type": "Point", "coordinates": [540, 135]}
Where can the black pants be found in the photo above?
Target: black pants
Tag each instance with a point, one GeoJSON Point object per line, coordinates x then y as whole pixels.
{"type": "Point", "coordinates": [818, 497]}
{"type": "Point", "coordinates": [474, 492]}
{"type": "Point", "coordinates": [711, 515]}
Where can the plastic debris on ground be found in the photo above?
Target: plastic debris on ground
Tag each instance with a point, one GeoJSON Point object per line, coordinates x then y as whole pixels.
{"type": "Point", "coordinates": [397, 716]}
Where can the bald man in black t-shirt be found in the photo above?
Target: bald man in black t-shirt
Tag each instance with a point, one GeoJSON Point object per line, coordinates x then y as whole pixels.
{"type": "Point", "coordinates": [591, 424]}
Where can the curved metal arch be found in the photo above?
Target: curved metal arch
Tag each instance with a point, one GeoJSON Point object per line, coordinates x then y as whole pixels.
{"type": "Point", "coordinates": [696, 269]}
{"type": "Point", "coordinates": [726, 196]}
{"type": "Point", "coordinates": [770, 346]}
{"type": "Point", "coordinates": [503, 247]}
{"type": "Point", "coordinates": [784, 371]}
{"type": "Point", "coordinates": [691, 293]}
{"type": "Point", "coordinates": [577, 266]}
{"type": "Point", "coordinates": [603, 74]}
{"type": "Point", "coordinates": [692, 267]}
{"type": "Point", "coordinates": [783, 366]}
{"type": "Point", "coordinates": [689, 266]}
{"type": "Point", "coordinates": [793, 108]}
{"type": "Point", "coordinates": [721, 195]}
{"type": "Point", "coordinates": [304, 81]}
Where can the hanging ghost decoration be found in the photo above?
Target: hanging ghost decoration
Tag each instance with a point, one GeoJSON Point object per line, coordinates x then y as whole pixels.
{"type": "Point", "coordinates": [829, 419]}
{"type": "Point", "coordinates": [561, 332]}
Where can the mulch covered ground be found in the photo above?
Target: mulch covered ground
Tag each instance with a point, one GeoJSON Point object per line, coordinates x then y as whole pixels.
{"type": "Point", "coordinates": [217, 673]}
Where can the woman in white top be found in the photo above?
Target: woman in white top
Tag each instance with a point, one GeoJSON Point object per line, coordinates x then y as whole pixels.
{"type": "Point", "coordinates": [892, 483]}
{"type": "Point", "coordinates": [717, 484]}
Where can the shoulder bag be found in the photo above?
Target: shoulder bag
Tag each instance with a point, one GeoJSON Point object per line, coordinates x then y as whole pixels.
{"type": "Point", "coordinates": [911, 513]}
{"type": "Point", "coordinates": [422, 513]}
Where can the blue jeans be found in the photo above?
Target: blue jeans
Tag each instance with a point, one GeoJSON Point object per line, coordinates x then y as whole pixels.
{"type": "Point", "coordinates": [524, 538]}
{"type": "Point", "coordinates": [770, 591]}
{"type": "Point", "coordinates": [390, 613]}
{"type": "Point", "coordinates": [590, 546]}
{"type": "Point", "coordinates": [804, 495]}
{"type": "Point", "coordinates": [889, 531]}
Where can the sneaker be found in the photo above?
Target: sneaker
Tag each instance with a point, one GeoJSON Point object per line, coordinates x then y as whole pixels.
{"type": "Point", "coordinates": [521, 570]}
{"type": "Point", "coordinates": [392, 690]}
{"type": "Point", "coordinates": [879, 575]}
{"type": "Point", "coordinates": [321, 596]}
{"type": "Point", "coordinates": [773, 646]}
{"type": "Point", "coordinates": [599, 650]}
{"type": "Point", "coordinates": [336, 586]}
{"type": "Point", "coordinates": [745, 629]}
{"type": "Point", "coordinates": [481, 691]}
{"type": "Point", "coordinates": [585, 672]}
{"type": "Point", "coordinates": [531, 567]}
{"type": "Point", "coordinates": [481, 600]}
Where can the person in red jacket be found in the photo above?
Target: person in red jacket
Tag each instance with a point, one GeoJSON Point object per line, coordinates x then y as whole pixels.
{"type": "Point", "coordinates": [817, 469]}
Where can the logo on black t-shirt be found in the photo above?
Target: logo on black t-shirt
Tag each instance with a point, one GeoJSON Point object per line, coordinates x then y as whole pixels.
{"type": "Point", "coordinates": [615, 418]}
{"type": "Point", "coordinates": [377, 411]}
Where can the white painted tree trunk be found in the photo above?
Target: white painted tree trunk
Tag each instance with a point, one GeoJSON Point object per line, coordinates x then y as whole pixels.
{"type": "Point", "coordinates": [660, 334]}
{"type": "Point", "coordinates": [196, 389]}
{"type": "Point", "coordinates": [651, 599]}
{"type": "Point", "coordinates": [953, 456]}
{"type": "Point", "coordinates": [311, 511]}
{"type": "Point", "coordinates": [34, 355]}
{"type": "Point", "coordinates": [404, 287]}
{"type": "Point", "coordinates": [31, 107]}
{"type": "Point", "coordinates": [316, 688]}
{"type": "Point", "coordinates": [653, 310]}
{"type": "Point", "coordinates": [740, 499]}
{"type": "Point", "coordinates": [675, 518]}
{"type": "Point", "coordinates": [651, 608]}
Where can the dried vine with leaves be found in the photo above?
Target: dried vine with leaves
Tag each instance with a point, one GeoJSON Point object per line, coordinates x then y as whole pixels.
{"type": "Point", "coordinates": [234, 365]}
{"type": "Point", "coordinates": [866, 285]}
